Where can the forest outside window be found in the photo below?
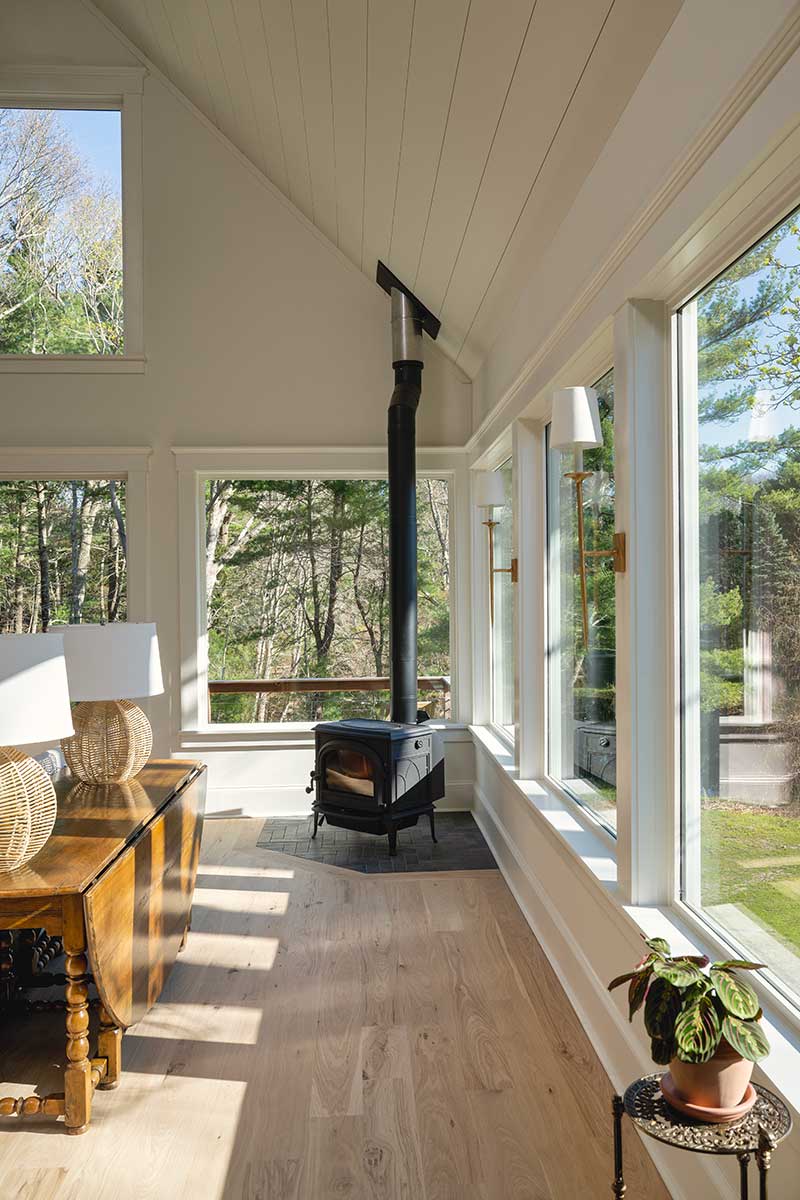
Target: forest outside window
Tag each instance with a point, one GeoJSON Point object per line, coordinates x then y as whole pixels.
{"type": "Point", "coordinates": [502, 616]}
{"type": "Point", "coordinates": [61, 269]}
{"type": "Point", "coordinates": [582, 752]}
{"type": "Point", "coordinates": [297, 598]}
{"type": "Point", "coordinates": [740, 492]}
{"type": "Point", "coordinates": [63, 553]}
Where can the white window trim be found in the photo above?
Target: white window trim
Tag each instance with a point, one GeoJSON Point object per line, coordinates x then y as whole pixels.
{"type": "Point", "coordinates": [197, 465]}
{"type": "Point", "coordinates": [93, 87]}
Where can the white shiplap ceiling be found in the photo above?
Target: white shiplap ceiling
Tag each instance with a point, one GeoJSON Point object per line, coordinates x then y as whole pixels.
{"type": "Point", "coordinates": [447, 137]}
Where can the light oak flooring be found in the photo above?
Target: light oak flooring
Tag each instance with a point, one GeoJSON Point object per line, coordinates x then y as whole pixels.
{"type": "Point", "coordinates": [333, 1036]}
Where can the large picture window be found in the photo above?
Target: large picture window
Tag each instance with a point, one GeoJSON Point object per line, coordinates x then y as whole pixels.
{"type": "Point", "coordinates": [63, 553]}
{"type": "Point", "coordinates": [297, 598]}
{"type": "Point", "coordinates": [582, 752]}
{"type": "Point", "coordinates": [61, 279]}
{"type": "Point", "coordinates": [740, 482]}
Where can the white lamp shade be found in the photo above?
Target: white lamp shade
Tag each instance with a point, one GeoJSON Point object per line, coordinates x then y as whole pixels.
{"type": "Point", "coordinates": [34, 696]}
{"type": "Point", "coordinates": [490, 489]}
{"type": "Point", "coordinates": [576, 420]}
{"type": "Point", "coordinates": [112, 662]}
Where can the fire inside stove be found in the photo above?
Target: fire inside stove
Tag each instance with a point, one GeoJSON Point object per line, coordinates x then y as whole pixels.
{"type": "Point", "coordinates": [349, 771]}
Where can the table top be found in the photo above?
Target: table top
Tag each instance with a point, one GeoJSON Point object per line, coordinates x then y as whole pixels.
{"type": "Point", "coordinates": [648, 1109]}
{"type": "Point", "coordinates": [93, 825]}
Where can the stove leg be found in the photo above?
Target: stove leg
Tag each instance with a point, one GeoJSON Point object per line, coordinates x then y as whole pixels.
{"type": "Point", "coordinates": [433, 826]}
{"type": "Point", "coordinates": [392, 843]}
{"type": "Point", "coordinates": [316, 824]}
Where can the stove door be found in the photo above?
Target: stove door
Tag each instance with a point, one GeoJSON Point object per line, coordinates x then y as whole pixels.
{"type": "Point", "coordinates": [350, 774]}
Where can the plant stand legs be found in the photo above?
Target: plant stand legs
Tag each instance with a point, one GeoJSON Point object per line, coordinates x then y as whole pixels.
{"type": "Point", "coordinates": [618, 1109]}
{"type": "Point", "coordinates": [744, 1160]}
{"type": "Point", "coordinates": [766, 1144]}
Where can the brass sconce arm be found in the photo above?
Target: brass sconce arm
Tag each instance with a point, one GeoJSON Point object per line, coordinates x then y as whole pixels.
{"type": "Point", "coordinates": [493, 570]}
{"type": "Point", "coordinates": [617, 552]}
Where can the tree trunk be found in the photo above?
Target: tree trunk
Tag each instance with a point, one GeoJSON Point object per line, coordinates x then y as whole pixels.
{"type": "Point", "coordinates": [90, 506]}
{"type": "Point", "coordinates": [18, 606]}
{"type": "Point", "coordinates": [44, 558]}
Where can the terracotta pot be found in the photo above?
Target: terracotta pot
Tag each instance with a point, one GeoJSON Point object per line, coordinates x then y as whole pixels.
{"type": "Point", "coordinates": [719, 1083]}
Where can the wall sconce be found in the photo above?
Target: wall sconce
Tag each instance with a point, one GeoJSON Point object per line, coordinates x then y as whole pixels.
{"type": "Point", "coordinates": [576, 427]}
{"type": "Point", "coordinates": [490, 494]}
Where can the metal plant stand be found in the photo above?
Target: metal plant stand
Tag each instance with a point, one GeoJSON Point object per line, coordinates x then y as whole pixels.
{"type": "Point", "coordinates": [754, 1135]}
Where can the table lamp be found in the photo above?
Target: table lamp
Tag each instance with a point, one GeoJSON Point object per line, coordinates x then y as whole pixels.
{"type": "Point", "coordinates": [108, 667]}
{"type": "Point", "coordinates": [34, 707]}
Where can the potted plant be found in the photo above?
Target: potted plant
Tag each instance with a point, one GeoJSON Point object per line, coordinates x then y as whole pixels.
{"type": "Point", "coordinates": [703, 1019]}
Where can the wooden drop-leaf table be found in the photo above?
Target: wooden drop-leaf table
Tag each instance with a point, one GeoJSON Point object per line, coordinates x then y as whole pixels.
{"type": "Point", "coordinates": [114, 883]}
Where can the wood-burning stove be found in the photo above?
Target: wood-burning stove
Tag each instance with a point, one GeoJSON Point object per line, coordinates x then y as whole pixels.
{"type": "Point", "coordinates": [381, 776]}
{"type": "Point", "coordinates": [376, 776]}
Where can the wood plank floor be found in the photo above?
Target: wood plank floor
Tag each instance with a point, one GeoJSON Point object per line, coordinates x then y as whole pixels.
{"type": "Point", "coordinates": [326, 1035]}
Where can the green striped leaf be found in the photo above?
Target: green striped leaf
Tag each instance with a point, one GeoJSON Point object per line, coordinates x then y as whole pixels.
{"type": "Point", "coordinates": [678, 971]}
{"type": "Point", "coordinates": [662, 1050]}
{"type": "Point", "coordinates": [697, 1030]}
{"type": "Point", "coordinates": [741, 963]}
{"type": "Point", "coordinates": [746, 1037]}
{"type": "Point", "coordinates": [737, 995]}
{"type": "Point", "coordinates": [637, 992]}
{"type": "Point", "coordinates": [659, 945]}
{"type": "Point", "coordinates": [661, 1009]}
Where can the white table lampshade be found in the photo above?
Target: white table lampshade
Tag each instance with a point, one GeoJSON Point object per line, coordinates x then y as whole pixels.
{"type": "Point", "coordinates": [575, 422]}
{"type": "Point", "coordinates": [490, 489]}
{"type": "Point", "coordinates": [34, 707]}
{"type": "Point", "coordinates": [109, 666]}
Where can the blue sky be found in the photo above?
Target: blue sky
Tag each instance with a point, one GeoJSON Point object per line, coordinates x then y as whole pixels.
{"type": "Point", "coordinates": [97, 138]}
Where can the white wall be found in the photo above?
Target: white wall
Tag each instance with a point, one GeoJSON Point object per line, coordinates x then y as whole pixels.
{"type": "Point", "coordinates": [258, 332]}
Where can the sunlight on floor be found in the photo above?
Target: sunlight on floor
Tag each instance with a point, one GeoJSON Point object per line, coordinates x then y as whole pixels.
{"type": "Point", "coordinates": [202, 1023]}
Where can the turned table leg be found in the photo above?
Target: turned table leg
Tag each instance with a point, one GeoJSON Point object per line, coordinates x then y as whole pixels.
{"type": "Point", "coordinates": [109, 1047]}
{"type": "Point", "coordinates": [618, 1109]}
{"type": "Point", "coordinates": [8, 978]}
{"type": "Point", "coordinates": [78, 1073]}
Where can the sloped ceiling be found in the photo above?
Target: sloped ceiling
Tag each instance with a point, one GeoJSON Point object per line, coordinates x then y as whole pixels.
{"type": "Point", "coordinates": [447, 137]}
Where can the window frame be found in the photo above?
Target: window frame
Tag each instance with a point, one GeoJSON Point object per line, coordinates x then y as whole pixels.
{"type": "Point", "coordinates": [685, 456]}
{"type": "Point", "coordinates": [196, 466]}
{"type": "Point", "coordinates": [87, 88]}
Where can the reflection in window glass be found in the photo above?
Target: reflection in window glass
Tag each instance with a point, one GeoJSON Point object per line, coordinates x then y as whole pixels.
{"type": "Point", "coordinates": [740, 384]}
{"type": "Point", "coordinates": [581, 676]}
{"type": "Point", "coordinates": [503, 624]}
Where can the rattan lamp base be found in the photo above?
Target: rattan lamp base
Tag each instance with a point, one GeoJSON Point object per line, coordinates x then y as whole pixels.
{"type": "Point", "coordinates": [111, 743]}
{"type": "Point", "coordinates": [27, 808]}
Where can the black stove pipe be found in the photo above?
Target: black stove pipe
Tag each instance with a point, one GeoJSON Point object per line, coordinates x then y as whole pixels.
{"type": "Point", "coordinates": [409, 318]}
{"type": "Point", "coordinates": [403, 540]}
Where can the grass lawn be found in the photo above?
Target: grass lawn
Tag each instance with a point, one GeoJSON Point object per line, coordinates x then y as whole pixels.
{"type": "Point", "coordinates": [751, 857]}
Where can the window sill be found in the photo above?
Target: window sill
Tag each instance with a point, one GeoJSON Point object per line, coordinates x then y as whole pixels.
{"type": "Point", "coordinates": [577, 832]}
{"type": "Point", "coordinates": [72, 364]}
{"type": "Point", "coordinates": [297, 733]}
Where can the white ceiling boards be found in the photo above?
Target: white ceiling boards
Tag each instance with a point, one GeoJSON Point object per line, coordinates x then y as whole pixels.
{"type": "Point", "coordinates": [447, 137]}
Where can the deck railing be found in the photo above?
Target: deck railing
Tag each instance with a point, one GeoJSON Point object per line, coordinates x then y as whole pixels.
{"type": "Point", "coordinates": [369, 683]}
